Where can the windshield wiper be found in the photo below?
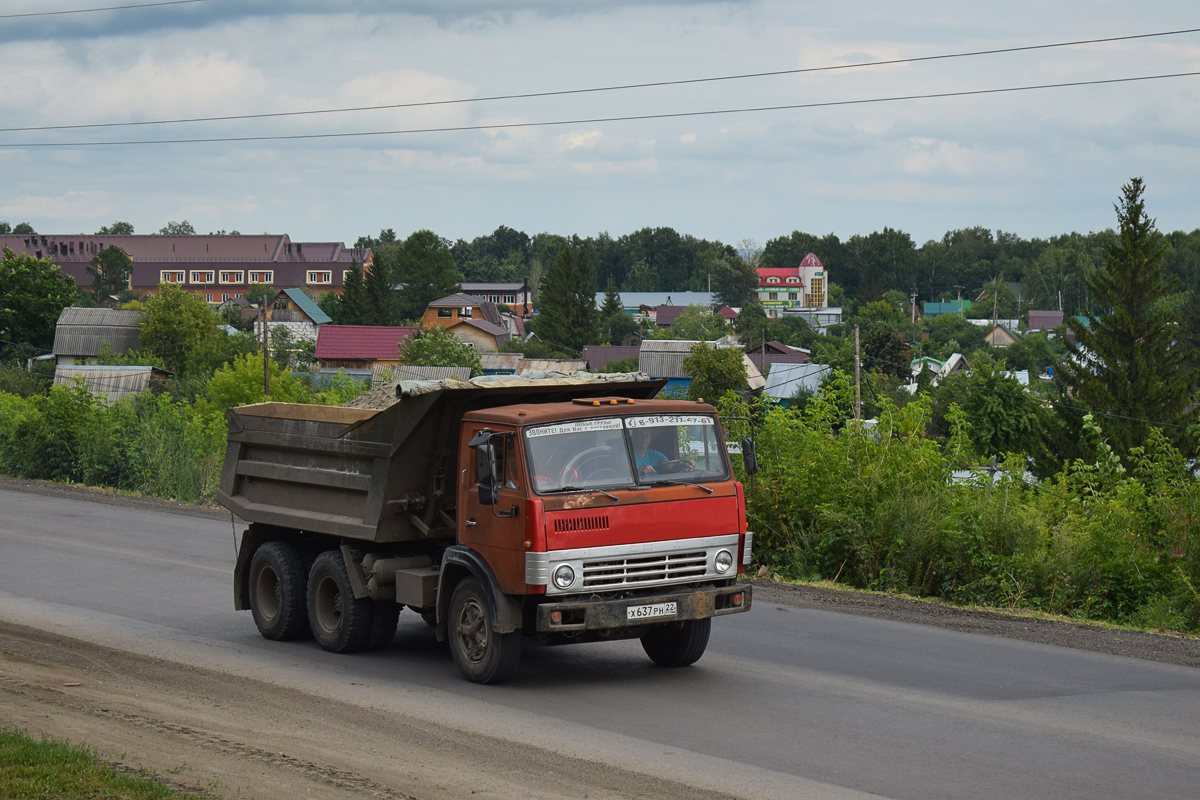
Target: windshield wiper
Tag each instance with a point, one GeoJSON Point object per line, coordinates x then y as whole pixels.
{"type": "Point", "coordinates": [684, 483]}
{"type": "Point", "coordinates": [590, 491]}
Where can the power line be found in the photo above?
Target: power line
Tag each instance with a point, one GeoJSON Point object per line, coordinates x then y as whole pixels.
{"type": "Point", "coordinates": [105, 8]}
{"type": "Point", "coordinates": [598, 89]}
{"type": "Point", "coordinates": [594, 120]}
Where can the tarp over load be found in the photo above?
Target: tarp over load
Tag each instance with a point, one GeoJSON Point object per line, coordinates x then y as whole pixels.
{"type": "Point", "coordinates": [381, 467]}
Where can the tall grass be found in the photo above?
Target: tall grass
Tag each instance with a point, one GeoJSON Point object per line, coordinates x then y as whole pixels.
{"type": "Point", "coordinates": [877, 508]}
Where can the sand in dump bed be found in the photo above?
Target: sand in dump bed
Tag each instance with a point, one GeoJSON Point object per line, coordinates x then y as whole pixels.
{"type": "Point", "coordinates": [388, 394]}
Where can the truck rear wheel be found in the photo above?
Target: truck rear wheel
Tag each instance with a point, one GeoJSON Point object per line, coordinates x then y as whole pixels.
{"type": "Point", "coordinates": [678, 644]}
{"type": "Point", "coordinates": [340, 622]}
{"type": "Point", "coordinates": [277, 592]}
{"type": "Point", "coordinates": [482, 654]}
{"type": "Point", "coordinates": [384, 616]}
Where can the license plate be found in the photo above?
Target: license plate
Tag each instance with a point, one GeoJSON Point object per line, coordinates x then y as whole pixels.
{"type": "Point", "coordinates": [654, 610]}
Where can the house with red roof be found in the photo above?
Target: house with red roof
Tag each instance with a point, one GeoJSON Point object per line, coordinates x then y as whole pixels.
{"type": "Point", "coordinates": [361, 346]}
{"type": "Point", "coordinates": [804, 286]}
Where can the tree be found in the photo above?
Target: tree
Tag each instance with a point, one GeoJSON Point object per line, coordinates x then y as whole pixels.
{"type": "Point", "coordinates": [434, 347]}
{"type": "Point", "coordinates": [173, 228]}
{"type": "Point", "coordinates": [642, 277]}
{"type": "Point", "coordinates": [118, 228]}
{"type": "Point", "coordinates": [378, 304]}
{"type": "Point", "coordinates": [353, 305]}
{"type": "Point", "coordinates": [1132, 362]}
{"type": "Point", "coordinates": [612, 301]}
{"type": "Point", "coordinates": [751, 324]}
{"type": "Point", "coordinates": [20, 227]}
{"type": "Point", "coordinates": [567, 309]}
{"type": "Point", "coordinates": [181, 329]}
{"type": "Point", "coordinates": [714, 371]}
{"type": "Point", "coordinates": [1003, 417]}
{"type": "Point", "coordinates": [697, 322]}
{"type": "Point", "coordinates": [424, 265]}
{"type": "Point", "coordinates": [110, 270]}
{"type": "Point", "coordinates": [33, 292]}
{"type": "Point", "coordinates": [240, 383]}
{"type": "Point", "coordinates": [883, 350]}
{"type": "Point", "coordinates": [259, 292]}
{"type": "Point", "coordinates": [734, 282]}
{"type": "Point", "coordinates": [386, 236]}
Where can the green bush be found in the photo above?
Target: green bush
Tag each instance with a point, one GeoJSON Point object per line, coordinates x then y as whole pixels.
{"type": "Point", "coordinates": [876, 508]}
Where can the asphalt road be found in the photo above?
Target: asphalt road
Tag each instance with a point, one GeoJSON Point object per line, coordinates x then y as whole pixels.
{"type": "Point", "coordinates": [787, 701]}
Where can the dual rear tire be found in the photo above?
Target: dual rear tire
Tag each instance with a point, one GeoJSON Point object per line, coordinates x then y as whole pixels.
{"type": "Point", "coordinates": [287, 604]}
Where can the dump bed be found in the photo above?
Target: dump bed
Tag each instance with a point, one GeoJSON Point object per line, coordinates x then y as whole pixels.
{"type": "Point", "coordinates": [382, 475]}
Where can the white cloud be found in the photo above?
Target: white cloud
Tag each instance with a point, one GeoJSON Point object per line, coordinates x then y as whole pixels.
{"type": "Point", "coordinates": [85, 205]}
{"type": "Point", "coordinates": [688, 138]}
{"type": "Point", "coordinates": [579, 139]}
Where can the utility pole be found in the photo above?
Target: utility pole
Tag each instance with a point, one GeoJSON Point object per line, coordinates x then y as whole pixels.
{"type": "Point", "coordinates": [262, 315]}
{"type": "Point", "coordinates": [857, 381]}
{"type": "Point", "coordinates": [913, 300]}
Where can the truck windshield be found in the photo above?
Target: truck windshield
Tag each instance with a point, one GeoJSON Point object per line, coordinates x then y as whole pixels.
{"type": "Point", "coordinates": [617, 452]}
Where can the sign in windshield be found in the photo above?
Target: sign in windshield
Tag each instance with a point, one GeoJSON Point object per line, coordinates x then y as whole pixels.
{"type": "Point", "coordinates": [620, 452]}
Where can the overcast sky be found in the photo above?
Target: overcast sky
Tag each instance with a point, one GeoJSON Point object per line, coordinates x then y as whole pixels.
{"type": "Point", "coordinates": [1036, 163]}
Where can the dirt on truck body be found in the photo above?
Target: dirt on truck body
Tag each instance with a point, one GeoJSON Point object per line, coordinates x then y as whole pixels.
{"type": "Point", "coordinates": [503, 511]}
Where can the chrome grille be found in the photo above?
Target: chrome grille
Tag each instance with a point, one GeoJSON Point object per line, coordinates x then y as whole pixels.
{"type": "Point", "coordinates": [644, 569]}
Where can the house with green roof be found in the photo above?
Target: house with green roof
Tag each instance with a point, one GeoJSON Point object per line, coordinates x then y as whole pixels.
{"type": "Point", "coordinates": [295, 311]}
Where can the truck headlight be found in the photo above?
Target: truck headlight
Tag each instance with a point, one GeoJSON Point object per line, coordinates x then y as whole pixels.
{"type": "Point", "coordinates": [723, 561]}
{"type": "Point", "coordinates": [564, 576]}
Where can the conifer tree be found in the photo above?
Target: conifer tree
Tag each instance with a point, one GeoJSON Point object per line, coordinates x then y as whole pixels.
{"type": "Point", "coordinates": [352, 309]}
{"type": "Point", "coordinates": [567, 314]}
{"type": "Point", "coordinates": [1133, 361]}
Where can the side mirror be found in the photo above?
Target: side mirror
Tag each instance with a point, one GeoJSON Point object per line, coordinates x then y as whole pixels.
{"type": "Point", "coordinates": [749, 456]}
{"type": "Point", "coordinates": [485, 467]}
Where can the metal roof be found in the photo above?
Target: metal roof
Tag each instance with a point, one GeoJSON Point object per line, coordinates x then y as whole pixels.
{"type": "Point", "coordinates": [82, 331]}
{"type": "Point", "coordinates": [110, 383]}
{"type": "Point", "coordinates": [599, 355]}
{"type": "Point", "coordinates": [314, 312]}
{"type": "Point", "coordinates": [663, 358]}
{"type": "Point", "coordinates": [636, 300]}
{"type": "Point", "coordinates": [786, 379]}
{"type": "Point", "coordinates": [361, 342]}
{"type": "Point", "coordinates": [390, 373]}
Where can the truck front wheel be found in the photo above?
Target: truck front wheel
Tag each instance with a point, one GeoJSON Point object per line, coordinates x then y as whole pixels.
{"type": "Point", "coordinates": [482, 654]}
{"type": "Point", "coordinates": [340, 622]}
{"type": "Point", "coordinates": [277, 592]}
{"type": "Point", "coordinates": [677, 644]}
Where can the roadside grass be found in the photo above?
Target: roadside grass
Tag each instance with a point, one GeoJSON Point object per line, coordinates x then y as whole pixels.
{"type": "Point", "coordinates": [55, 770]}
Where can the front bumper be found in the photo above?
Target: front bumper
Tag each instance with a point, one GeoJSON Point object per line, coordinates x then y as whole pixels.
{"type": "Point", "coordinates": [599, 615]}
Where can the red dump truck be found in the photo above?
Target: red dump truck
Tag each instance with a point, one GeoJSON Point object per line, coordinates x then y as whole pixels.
{"type": "Point", "coordinates": [505, 512]}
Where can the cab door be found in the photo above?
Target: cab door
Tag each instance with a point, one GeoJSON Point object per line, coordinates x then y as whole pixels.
{"type": "Point", "coordinates": [495, 531]}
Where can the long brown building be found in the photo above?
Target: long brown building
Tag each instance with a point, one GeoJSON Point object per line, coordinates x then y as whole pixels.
{"type": "Point", "coordinates": [219, 268]}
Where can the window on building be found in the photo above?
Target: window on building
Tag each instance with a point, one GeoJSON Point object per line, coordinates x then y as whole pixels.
{"type": "Point", "coordinates": [202, 276]}
{"type": "Point", "coordinates": [345, 272]}
{"type": "Point", "coordinates": [267, 276]}
{"type": "Point", "coordinates": [772, 295]}
{"type": "Point", "coordinates": [773, 279]}
{"type": "Point", "coordinates": [465, 312]}
{"type": "Point", "coordinates": [445, 313]}
{"type": "Point", "coordinates": [167, 276]}
{"type": "Point", "coordinates": [208, 298]}
{"type": "Point", "coordinates": [510, 299]}
{"type": "Point", "coordinates": [792, 296]}
{"type": "Point", "coordinates": [793, 279]}
{"type": "Point", "coordinates": [320, 276]}
{"type": "Point", "coordinates": [816, 293]}
{"type": "Point", "coordinates": [232, 276]}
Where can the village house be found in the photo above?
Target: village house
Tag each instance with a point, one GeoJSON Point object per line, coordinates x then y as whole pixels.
{"type": "Point", "coordinates": [216, 267]}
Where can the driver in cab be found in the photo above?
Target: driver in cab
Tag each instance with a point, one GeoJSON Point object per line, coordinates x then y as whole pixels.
{"type": "Point", "coordinates": [645, 457]}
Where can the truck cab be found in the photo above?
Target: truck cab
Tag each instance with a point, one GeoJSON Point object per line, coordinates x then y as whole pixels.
{"type": "Point", "coordinates": [605, 518]}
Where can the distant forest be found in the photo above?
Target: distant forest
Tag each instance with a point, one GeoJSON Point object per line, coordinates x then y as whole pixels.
{"type": "Point", "coordinates": [1026, 273]}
